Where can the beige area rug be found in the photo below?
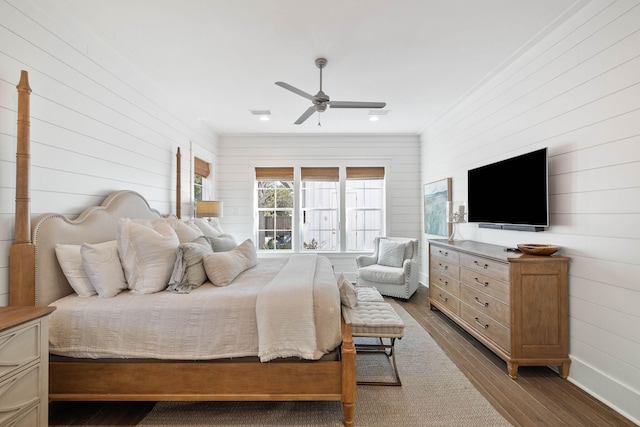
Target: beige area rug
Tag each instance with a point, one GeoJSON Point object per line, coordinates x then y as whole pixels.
{"type": "Point", "coordinates": [434, 392]}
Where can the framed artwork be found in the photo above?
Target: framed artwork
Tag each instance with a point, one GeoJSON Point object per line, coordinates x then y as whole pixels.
{"type": "Point", "coordinates": [436, 196]}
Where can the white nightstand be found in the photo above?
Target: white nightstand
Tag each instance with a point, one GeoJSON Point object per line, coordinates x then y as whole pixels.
{"type": "Point", "coordinates": [24, 366]}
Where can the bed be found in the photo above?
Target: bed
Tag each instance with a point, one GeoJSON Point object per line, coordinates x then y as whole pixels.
{"type": "Point", "coordinates": [36, 278]}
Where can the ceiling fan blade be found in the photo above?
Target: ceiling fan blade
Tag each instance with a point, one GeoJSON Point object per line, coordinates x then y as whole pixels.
{"type": "Point", "coordinates": [353, 104]}
{"type": "Point", "coordinates": [305, 115]}
{"type": "Point", "coordinates": [295, 90]}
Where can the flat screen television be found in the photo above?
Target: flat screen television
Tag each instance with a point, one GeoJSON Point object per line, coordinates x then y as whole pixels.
{"type": "Point", "coordinates": [511, 194]}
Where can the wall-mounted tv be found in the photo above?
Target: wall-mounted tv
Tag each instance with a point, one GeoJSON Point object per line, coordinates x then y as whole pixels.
{"type": "Point", "coordinates": [511, 194]}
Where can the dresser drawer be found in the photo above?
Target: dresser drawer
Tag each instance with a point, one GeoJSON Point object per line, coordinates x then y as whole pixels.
{"type": "Point", "coordinates": [444, 282]}
{"type": "Point", "coordinates": [486, 305]}
{"type": "Point", "coordinates": [486, 326]}
{"type": "Point", "coordinates": [443, 298]}
{"type": "Point", "coordinates": [486, 284]}
{"type": "Point", "coordinates": [447, 268]}
{"type": "Point", "coordinates": [446, 254]}
{"type": "Point", "coordinates": [29, 418]}
{"type": "Point", "coordinates": [485, 266]}
{"type": "Point", "coordinates": [20, 392]}
{"type": "Point", "coordinates": [19, 347]}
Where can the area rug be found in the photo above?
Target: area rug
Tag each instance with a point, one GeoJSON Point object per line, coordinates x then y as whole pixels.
{"type": "Point", "coordinates": [434, 392]}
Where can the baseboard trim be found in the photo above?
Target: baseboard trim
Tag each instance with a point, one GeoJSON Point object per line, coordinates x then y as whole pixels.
{"type": "Point", "coordinates": [619, 397]}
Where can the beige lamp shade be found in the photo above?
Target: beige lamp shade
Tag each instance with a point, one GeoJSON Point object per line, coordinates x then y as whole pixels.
{"type": "Point", "coordinates": [208, 209]}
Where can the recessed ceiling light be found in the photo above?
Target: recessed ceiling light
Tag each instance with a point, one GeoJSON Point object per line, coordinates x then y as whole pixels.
{"type": "Point", "coordinates": [264, 115]}
{"type": "Point", "coordinates": [374, 115]}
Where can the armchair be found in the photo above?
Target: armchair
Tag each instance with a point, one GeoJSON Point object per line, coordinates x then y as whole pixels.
{"type": "Point", "coordinates": [392, 268]}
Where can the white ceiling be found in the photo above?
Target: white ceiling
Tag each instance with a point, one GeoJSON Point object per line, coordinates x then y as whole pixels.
{"type": "Point", "coordinates": [221, 58]}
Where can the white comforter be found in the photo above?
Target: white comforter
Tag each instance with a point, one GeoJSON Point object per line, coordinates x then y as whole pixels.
{"type": "Point", "coordinates": [208, 323]}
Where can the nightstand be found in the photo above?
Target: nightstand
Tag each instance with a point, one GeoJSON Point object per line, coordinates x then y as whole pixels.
{"type": "Point", "coordinates": [24, 366]}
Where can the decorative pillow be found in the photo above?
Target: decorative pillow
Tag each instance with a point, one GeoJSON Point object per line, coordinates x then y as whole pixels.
{"type": "Point", "coordinates": [187, 233]}
{"type": "Point", "coordinates": [348, 294]}
{"type": "Point", "coordinates": [102, 264]}
{"type": "Point", "coordinates": [391, 253]}
{"type": "Point", "coordinates": [222, 243]}
{"type": "Point", "coordinates": [209, 228]}
{"type": "Point", "coordinates": [188, 271]}
{"type": "Point", "coordinates": [148, 254]}
{"type": "Point", "coordinates": [71, 263]}
{"type": "Point", "coordinates": [223, 267]}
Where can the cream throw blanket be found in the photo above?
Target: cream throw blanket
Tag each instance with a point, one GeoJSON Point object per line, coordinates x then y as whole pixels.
{"type": "Point", "coordinates": [285, 314]}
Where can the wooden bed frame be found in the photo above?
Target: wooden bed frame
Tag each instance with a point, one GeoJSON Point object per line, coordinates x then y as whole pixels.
{"type": "Point", "coordinates": [163, 380]}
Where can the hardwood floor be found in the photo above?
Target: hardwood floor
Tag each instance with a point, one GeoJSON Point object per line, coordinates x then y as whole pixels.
{"type": "Point", "coordinates": [539, 397]}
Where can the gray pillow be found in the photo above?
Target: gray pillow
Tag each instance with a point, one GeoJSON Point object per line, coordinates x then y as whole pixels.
{"type": "Point", "coordinates": [391, 253]}
{"type": "Point", "coordinates": [222, 243]}
{"type": "Point", "coordinates": [188, 271]}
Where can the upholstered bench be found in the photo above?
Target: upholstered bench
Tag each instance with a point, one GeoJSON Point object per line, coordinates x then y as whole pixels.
{"type": "Point", "coordinates": [368, 293]}
{"type": "Point", "coordinates": [377, 320]}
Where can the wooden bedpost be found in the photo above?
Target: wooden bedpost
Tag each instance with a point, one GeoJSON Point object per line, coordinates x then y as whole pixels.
{"type": "Point", "coordinates": [178, 183]}
{"type": "Point", "coordinates": [349, 392]}
{"type": "Point", "coordinates": [23, 252]}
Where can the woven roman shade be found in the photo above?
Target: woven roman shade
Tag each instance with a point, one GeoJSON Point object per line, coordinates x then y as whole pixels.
{"type": "Point", "coordinates": [376, 172]}
{"type": "Point", "coordinates": [320, 174]}
{"type": "Point", "coordinates": [274, 174]}
{"type": "Point", "coordinates": [201, 167]}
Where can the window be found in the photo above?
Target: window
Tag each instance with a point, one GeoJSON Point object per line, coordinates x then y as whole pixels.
{"type": "Point", "coordinates": [319, 201]}
{"type": "Point", "coordinates": [274, 187]}
{"type": "Point", "coordinates": [364, 207]}
{"type": "Point", "coordinates": [201, 171]}
{"type": "Point", "coordinates": [327, 209]}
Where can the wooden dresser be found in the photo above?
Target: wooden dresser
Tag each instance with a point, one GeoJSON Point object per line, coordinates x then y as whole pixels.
{"type": "Point", "coordinates": [24, 366]}
{"type": "Point", "coordinates": [515, 304]}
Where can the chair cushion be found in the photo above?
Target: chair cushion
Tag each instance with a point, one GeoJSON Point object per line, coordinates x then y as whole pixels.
{"type": "Point", "coordinates": [382, 274]}
{"type": "Point", "coordinates": [391, 253]}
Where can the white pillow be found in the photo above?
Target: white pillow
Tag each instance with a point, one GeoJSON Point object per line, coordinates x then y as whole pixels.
{"type": "Point", "coordinates": [71, 263]}
{"type": "Point", "coordinates": [348, 294]}
{"type": "Point", "coordinates": [391, 253]}
{"type": "Point", "coordinates": [148, 254]}
{"type": "Point", "coordinates": [102, 264]}
{"type": "Point", "coordinates": [209, 228]}
{"type": "Point", "coordinates": [223, 267]}
{"type": "Point", "coordinates": [187, 232]}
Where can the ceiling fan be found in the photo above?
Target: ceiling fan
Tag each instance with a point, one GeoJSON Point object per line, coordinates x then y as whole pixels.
{"type": "Point", "coordinates": [321, 100]}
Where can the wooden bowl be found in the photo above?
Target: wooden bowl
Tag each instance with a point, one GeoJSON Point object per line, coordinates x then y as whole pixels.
{"type": "Point", "coordinates": [537, 249]}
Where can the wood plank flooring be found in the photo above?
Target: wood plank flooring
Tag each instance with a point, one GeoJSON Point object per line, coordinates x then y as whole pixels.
{"type": "Point", "coordinates": [539, 397]}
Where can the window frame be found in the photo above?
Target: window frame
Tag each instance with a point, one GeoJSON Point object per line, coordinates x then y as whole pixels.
{"type": "Point", "coordinates": [296, 232]}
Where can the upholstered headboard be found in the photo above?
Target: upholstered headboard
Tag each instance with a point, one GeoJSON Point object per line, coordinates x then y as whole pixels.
{"type": "Point", "coordinates": [94, 225]}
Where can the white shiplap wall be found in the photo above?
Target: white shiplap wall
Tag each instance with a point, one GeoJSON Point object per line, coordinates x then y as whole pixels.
{"type": "Point", "coordinates": [578, 93]}
{"type": "Point", "coordinates": [239, 154]}
{"type": "Point", "coordinates": [96, 124]}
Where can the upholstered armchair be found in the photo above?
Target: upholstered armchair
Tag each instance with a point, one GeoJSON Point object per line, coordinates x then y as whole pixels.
{"type": "Point", "coordinates": [393, 267]}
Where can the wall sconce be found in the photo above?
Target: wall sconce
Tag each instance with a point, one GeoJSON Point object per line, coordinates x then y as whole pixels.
{"type": "Point", "coordinates": [456, 214]}
{"type": "Point", "coordinates": [208, 209]}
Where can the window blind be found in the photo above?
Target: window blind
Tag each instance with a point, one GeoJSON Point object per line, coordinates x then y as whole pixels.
{"type": "Point", "coordinates": [274, 174]}
{"type": "Point", "coordinates": [320, 174]}
{"type": "Point", "coordinates": [376, 172]}
{"type": "Point", "coordinates": [201, 167]}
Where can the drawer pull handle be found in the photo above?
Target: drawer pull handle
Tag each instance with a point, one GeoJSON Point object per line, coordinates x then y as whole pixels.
{"type": "Point", "coordinates": [444, 267]}
{"type": "Point", "coordinates": [485, 266]}
{"type": "Point", "coordinates": [481, 283]}
{"type": "Point", "coordinates": [482, 325]}
{"type": "Point", "coordinates": [484, 304]}
{"type": "Point", "coordinates": [445, 299]}
{"type": "Point", "coordinates": [444, 253]}
{"type": "Point", "coordinates": [444, 282]}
